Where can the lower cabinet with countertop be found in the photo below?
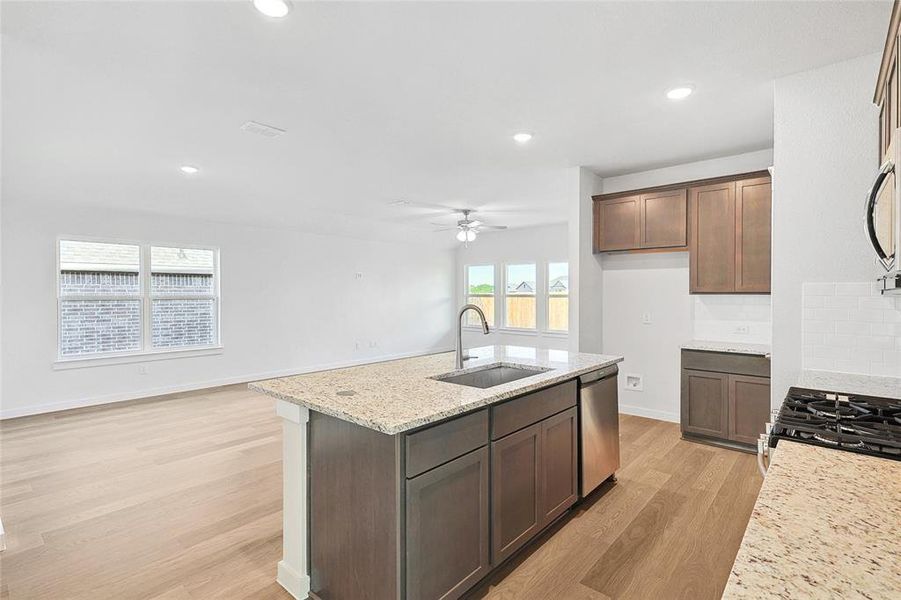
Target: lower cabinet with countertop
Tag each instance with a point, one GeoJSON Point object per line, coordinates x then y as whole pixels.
{"type": "Point", "coordinates": [461, 496]}
{"type": "Point", "coordinates": [725, 397]}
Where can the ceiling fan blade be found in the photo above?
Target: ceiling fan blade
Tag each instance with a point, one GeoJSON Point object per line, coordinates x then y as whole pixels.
{"type": "Point", "coordinates": [475, 223]}
{"type": "Point", "coordinates": [492, 227]}
{"type": "Point", "coordinates": [444, 229]}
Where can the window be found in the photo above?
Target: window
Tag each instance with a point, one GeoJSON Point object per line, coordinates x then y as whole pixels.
{"type": "Point", "coordinates": [128, 298]}
{"type": "Point", "coordinates": [558, 296]}
{"type": "Point", "coordinates": [520, 296]}
{"type": "Point", "coordinates": [480, 291]}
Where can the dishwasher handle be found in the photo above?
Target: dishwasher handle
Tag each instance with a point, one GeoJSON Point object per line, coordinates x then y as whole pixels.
{"type": "Point", "coordinates": [604, 373]}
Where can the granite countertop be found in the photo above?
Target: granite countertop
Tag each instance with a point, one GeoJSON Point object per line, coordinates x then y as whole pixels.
{"type": "Point", "coordinates": [735, 347]}
{"type": "Point", "coordinates": [398, 395]}
{"type": "Point", "coordinates": [850, 383]}
{"type": "Point", "coordinates": [826, 525]}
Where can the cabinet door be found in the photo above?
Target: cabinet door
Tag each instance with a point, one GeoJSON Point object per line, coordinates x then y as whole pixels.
{"type": "Point", "coordinates": [515, 511]}
{"type": "Point", "coordinates": [753, 239]}
{"type": "Point", "coordinates": [447, 528]}
{"type": "Point", "coordinates": [705, 403]}
{"type": "Point", "coordinates": [559, 464]}
{"type": "Point", "coordinates": [749, 407]}
{"type": "Point", "coordinates": [664, 219]}
{"type": "Point", "coordinates": [617, 224]}
{"type": "Point", "coordinates": [712, 238]}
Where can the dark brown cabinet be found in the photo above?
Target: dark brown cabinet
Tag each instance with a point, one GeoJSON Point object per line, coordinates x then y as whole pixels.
{"type": "Point", "coordinates": [515, 464]}
{"type": "Point", "coordinates": [725, 397]}
{"type": "Point", "coordinates": [753, 235]}
{"type": "Point", "coordinates": [712, 246]}
{"type": "Point", "coordinates": [559, 465]}
{"type": "Point", "coordinates": [664, 219]}
{"type": "Point", "coordinates": [704, 403]}
{"type": "Point", "coordinates": [730, 237]}
{"type": "Point", "coordinates": [447, 528]}
{"type": "Point", "coordinates": [617, 224]}
{"type": "Point", "coordinates": [749, 404]}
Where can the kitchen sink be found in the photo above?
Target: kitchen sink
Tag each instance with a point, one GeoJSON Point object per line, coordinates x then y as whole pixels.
{"type": "Point", "coordinates": [490, 375]}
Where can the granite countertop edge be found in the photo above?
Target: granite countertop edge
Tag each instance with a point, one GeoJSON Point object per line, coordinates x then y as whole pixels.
{"type": "Point", "coordinates": [324, 404]}
{"type": "Point", "coordinates": [728, 347]}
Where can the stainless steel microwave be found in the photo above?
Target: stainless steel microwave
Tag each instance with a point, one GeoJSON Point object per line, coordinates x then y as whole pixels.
{"type": "Point", "coordinates": [883, 218]}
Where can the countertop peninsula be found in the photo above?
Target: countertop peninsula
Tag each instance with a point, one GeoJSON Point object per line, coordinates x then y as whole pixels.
{"type": "Point", "coordinates": [400, 395]}
{"type": "Point", "coordinates": [825, 525]}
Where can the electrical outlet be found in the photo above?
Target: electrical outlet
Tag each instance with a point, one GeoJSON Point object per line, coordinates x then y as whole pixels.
{"type": "Point", "coordinates": [742, 329]}
{"type": "Point", "coordinates": [356, 345]}
{"type": "Point", "coordinates": [646, 318]}
{"type": "Point", "coordinates": [373, 344]}
{"type": "Point", "coordinates": [634, 383]}
{"type": "Point", "coordinates": [358, 275]}
{"type": "Point", "coordinates": [142, 369]}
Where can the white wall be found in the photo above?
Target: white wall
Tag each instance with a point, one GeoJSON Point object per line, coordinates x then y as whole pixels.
{"type": "Point", "coordinates": [825, 152]}
{"type": "Point", "coordinates": [657, 284]}
{"type": "Point", "coordinates": [532, 244]}
{"type": "Point", "coordinates": [290, 302]}
{"type": "Point", "coordinates": [589, 282]}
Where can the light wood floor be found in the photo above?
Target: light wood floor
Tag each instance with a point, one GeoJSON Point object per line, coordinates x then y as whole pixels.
{"type": "Point", "coordinates": [180, 499]}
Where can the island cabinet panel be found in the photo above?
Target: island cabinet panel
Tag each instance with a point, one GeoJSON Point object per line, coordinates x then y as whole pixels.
{"type": "Point", "coordinates": [559, 464]}
{"type": "Point", "coordinates": [438, 444]}
{"type": "Point", "coordinates": [704, 397]}
{"type": "Point", "coordinates": [617, 224]}
{"type": "Point", "coordinates": [515, 491]}
{"type": "Point", "coordinates": [664, 219]}
{"type": "Point", "coordinates": [753, 233]}
{"type": "Point", "coordinates": [447, 528]}
{"type": "Point", "coordinates": [712, 246]}
{"type": "Point", "coordinates": [355, 500]}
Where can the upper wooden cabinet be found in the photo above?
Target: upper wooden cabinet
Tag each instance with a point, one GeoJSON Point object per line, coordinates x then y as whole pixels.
{"type": "Point", "coordinates": [643, 221]}
{"type": "Point", "coordinates": [724, 223]}
{"type": "Point", "coordinates": [730, 241]}
{"type": "Point", "coordinates": [887, 95]}
{"type": "Point", "coordinates": [664, 219]}
{"type": "Point", "coordinates": [617, 224]}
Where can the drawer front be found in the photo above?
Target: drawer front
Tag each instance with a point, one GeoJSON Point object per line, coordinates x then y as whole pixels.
{"type": "Point", "coordinates": [428, 448]}
{"type": "Point", "coordinates": [531, 408]}
{"type": "Point", "coordinates": [726, 362]}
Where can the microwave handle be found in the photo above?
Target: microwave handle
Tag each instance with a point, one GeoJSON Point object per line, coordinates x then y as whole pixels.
{"type": "Point", "coordinates": [886, 168]}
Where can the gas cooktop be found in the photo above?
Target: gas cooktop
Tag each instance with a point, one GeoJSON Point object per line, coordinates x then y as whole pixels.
{"type": "Point", "coordinates": [862, 424]}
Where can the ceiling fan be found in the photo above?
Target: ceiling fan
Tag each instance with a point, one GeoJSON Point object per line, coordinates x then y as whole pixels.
{"type": "Point", "coordinates": [467, 229]}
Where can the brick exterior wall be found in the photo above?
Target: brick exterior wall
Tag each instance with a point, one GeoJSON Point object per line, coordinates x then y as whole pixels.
{"type": "Point", "coordinates": [104, 326]}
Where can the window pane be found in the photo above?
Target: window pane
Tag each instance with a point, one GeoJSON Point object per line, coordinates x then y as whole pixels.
{"type": "Point", "coordinates": [95, 269]}
{"type": "Point", "coordinates": [480, 290]}
{"type": "Point", "coordinates": [181, 271]}
{"type": "Point", "coordinates": [99, 326]}
{"type": "Point", "coordinates": [558, 296]}
{"type": "Point", "coordinates": [181, 323]}
{"type": "Point", "coordinates": [520, 310]}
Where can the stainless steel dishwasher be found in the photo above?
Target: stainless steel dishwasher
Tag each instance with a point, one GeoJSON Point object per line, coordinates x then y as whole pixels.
{"type": "Point", "coordinates": [599, 428]}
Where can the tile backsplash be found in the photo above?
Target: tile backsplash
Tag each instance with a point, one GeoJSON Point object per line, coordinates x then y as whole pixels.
{"type": "Point", "coordinates": [851, 328]}
{"type": "Point", "coordinates": [733, 318]}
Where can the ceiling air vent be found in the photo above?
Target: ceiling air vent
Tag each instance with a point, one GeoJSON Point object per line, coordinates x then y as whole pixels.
{"type": "Point", "coordinates": [263, 130]}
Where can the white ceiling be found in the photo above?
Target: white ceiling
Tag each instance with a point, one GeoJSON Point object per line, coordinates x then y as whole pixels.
{"type": "Point", "coordinates": [384, 101]}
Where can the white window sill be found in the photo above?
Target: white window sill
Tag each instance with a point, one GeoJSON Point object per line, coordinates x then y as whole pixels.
{"type": "Point", "coordinates": [136, 357]}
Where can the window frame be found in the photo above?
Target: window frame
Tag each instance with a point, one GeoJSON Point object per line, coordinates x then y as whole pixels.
{"type": "Point", "coordinates": [548, 296]}
{"type": "Point", "coordinates": [145, 295]}
{"type": "Point", "coordinates": [466, 293]}
{"type": "Point", "coordinates": [507, 327]}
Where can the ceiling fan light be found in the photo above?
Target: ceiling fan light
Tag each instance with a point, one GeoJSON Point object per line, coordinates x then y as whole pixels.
{"type": "Point", "coordinates": [461, 235]}
{"type": "Point", "coordinates": [470, 235]}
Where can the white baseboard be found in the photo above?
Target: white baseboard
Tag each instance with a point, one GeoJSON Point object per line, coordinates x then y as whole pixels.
{"type": "Point", "coordinates": [641, 411]}
{"type": "Point", "coordinates": [198, 385]}
{"type": "Point", "coordinates": [294, 583]}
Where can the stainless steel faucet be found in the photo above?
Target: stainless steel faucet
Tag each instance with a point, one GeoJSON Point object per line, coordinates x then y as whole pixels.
{"type": "Point", "coordinates": [460, 357]}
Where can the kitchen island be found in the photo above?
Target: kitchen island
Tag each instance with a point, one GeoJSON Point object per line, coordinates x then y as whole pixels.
{"type": "Point", "coordinates": [385, 459]}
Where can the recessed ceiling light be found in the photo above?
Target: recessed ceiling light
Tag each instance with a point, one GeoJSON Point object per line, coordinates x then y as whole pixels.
{"type": "Point", "coordinates": [522, 137]}
{"type": "Point", "coordinates": [680, 93]}
{"type": "Point", "coordinates": [272, 8]}
{"type": "Point", "coordinates": [189, 169]}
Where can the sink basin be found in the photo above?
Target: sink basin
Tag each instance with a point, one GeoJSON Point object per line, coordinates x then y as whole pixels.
{"type": "Point", "coordinates": [490, 375]}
